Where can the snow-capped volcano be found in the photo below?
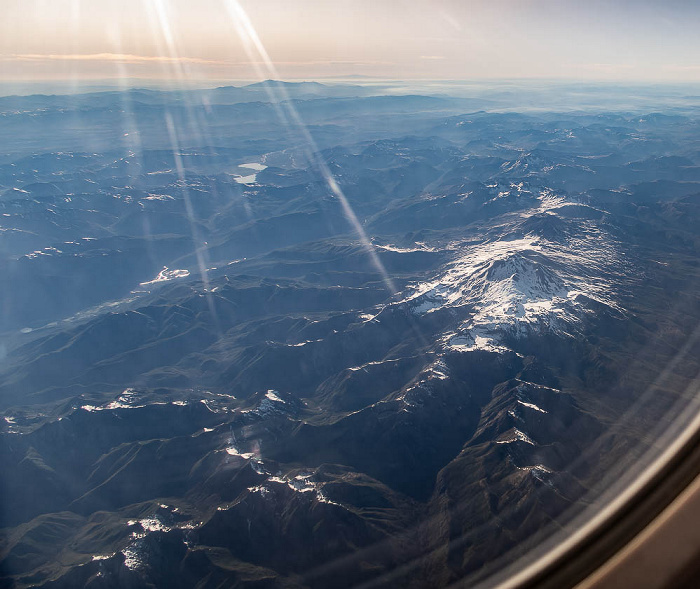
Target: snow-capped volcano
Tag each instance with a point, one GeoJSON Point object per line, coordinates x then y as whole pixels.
{"type": "Point", "coordinates": [528, 285]}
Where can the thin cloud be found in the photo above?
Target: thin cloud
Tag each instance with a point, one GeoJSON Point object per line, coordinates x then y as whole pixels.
{"type": "Point", "coordinates": [682, 68]}
{"type": "Point", "coordinates": [607, 67]}
{"type": "Point", "coordinates": [116, 57]}
{"type": "Point", "coordinates": [330, 62]}
{"type": "Point", "coordinates": [130, 58]}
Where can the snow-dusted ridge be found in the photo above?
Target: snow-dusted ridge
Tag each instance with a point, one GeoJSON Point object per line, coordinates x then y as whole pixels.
{"type": "Point", "coordinates": [166, 274]}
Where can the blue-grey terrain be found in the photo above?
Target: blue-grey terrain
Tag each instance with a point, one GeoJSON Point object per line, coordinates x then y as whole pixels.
{"type": "Point", "coordinates": [306, 335]}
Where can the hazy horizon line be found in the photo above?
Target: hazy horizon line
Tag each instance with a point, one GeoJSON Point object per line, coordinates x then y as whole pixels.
{"type": "Point", "coordinates": [10, 87]}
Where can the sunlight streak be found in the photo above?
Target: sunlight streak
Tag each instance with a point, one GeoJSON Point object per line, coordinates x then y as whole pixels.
{"type": "Point", "coordinates": [250, 37]}
{"type": "Point", "coordinates": [200, 246]}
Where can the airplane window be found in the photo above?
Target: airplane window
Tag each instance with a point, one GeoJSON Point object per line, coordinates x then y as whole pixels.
{"type": "Point", "coordinates": [332, 295]}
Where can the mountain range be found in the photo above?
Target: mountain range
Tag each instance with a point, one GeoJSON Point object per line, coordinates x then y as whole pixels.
{"type": "Point", "coordinates": [397, 344]}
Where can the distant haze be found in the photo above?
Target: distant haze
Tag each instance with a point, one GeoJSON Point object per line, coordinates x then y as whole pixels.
{"type": "Point", "coordinates": [83, 40]}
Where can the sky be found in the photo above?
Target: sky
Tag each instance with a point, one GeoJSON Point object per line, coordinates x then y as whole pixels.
{"type": "Point", "coordinates": [89, 40]}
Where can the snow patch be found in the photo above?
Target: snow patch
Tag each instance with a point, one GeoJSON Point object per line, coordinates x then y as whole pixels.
{"type": "Point", "coordinates": [517, 436]}
{"type": "Point", "coordinates": [272, 395]}
{"type": "Point", "coordinates": [531, 406]}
